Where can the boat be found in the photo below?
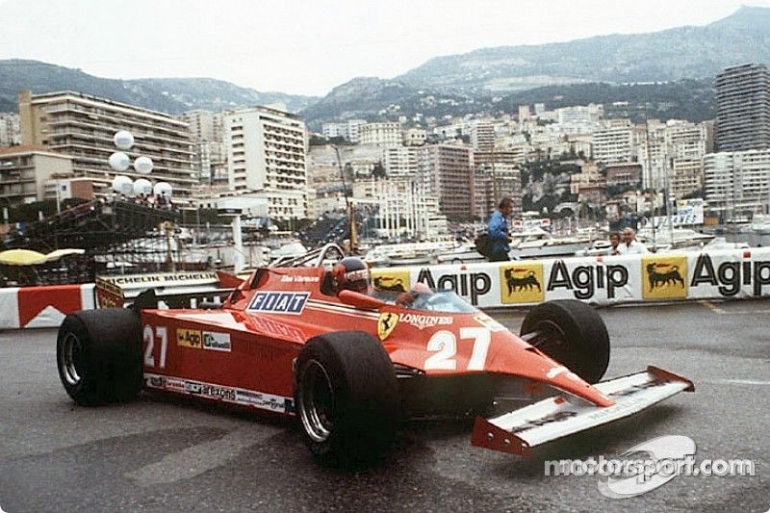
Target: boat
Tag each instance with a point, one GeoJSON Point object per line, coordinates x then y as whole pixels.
{"type": "Point", "coordinates": [596, 248]}
{"type": "Point", "coordinates": [673, 239]}
{"type": "Point", "coordinates": [538, 243]}
{"type": "Point", "coordinates": [407, 253]}
{"type": "Point", "coordinates": [760, 224]}
{"type": "Point", "coordinates": [465, 253]}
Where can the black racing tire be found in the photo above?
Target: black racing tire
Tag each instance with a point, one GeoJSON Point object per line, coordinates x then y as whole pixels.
{"type": "Point", "coordinates": [346, 398]}
{"type": "Point", "coordinates": [99, 356]}
{"type": "Point", "coordinates": [572, 333]}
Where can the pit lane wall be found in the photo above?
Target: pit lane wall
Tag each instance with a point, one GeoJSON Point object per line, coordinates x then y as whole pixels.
{"type": "Point", "coordinates": [726, 274]}
{"type": "Point", "coordinates": [606, 280]}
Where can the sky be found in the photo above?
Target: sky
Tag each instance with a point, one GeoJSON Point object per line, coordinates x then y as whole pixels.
{"type": "Point", "coordinates": [311, 46]}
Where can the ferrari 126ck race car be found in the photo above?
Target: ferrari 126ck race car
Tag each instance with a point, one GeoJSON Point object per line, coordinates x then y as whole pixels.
{"type": "Point", "coordinates": [352, 364]}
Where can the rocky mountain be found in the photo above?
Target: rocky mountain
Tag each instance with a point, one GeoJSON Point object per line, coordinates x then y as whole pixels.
{"type": "Point", "coordinates": [670, 71]}
{"type": "Point", "coordinates": [674, 54]}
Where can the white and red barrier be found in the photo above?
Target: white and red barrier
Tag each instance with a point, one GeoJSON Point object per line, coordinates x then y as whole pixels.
{"type": "Point", "coordinates": [43, 307]}
{"type": "Point", "coordinates": [724, 274]}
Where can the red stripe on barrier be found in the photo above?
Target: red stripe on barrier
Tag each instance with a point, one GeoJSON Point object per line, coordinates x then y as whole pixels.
{"type": "Point", "coordinates": [33, 300]}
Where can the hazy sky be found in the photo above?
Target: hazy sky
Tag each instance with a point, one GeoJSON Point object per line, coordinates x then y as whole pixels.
{"type": "Point", "coordinates": [311, 46]}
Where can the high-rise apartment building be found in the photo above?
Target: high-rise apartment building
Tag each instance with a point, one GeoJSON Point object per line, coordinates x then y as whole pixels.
{"type": "Point", "coordinates": [446, 171]}
{"type": "Point", "coordinates": [401, 162]}
{"type": "Point", "coordinates": [267, 159]}
{"type": "Point", "coordinates": [210, 163]}
{"type": "Point", "coordinates": [84, 126]}
{"type": "Point", "coordinates": [743, 108]}
{"type": "Point", "coordinates": [613, 143]}
{"type": "Point", "coordinates": [483, 136]}
{"type": "Point", "coordinates": [737, 184]}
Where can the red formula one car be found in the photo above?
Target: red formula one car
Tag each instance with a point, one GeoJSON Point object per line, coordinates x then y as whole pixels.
{"type": "Point", "coordinates": [350, 365]}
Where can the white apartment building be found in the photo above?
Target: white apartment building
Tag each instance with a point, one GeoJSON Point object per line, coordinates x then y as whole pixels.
{"type": "Point", "coordinates": [613, 143]}
{"type": "Point", "coordinates": [267, 159]}
{"type": "Point", "coordinates": [687, 143]}
{"type": "Point", "coordinates": [580, 114]}
{"type": "Point", "coordinates": [737, 183]}
{"type": "Point", "coordinates": [401, 162]}
{"type": "Point", "coordinates": [403, 205]}
{"type": "Point", "coordinates": [483, 136]}
{"type": "Point", "coordinates": [25, 171]}
{"type": "Point", "coordinates": [83, 127]}
{"type": "Point", "coordinates": [10, 132]}
{"type": "Point", "coordinates": [415, 137]}
{"type": "Point", "coordinates": [387, 135]}
{"type": "Point", "coordinates": [686, 177]}
{"type": "Point", "coordinates": [350, 130]}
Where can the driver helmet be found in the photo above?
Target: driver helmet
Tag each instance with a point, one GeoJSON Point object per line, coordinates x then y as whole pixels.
{"type": "Point", "coordinates": [351, 273]}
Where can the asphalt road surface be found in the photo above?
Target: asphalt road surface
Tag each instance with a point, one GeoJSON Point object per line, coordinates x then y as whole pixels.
{"type": "Point", "coordinates": [170, 456]}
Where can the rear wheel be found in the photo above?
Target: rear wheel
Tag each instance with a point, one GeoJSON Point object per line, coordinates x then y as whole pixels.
{"type": "Point", "coordinates": [346, 397]}
{"type": "Point", "coordinates": [572, 333]}
{"type": "Point", "coordinates": [99, 355]}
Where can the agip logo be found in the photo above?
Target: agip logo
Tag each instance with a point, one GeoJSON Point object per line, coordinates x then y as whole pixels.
{"type": "Point", "coordinates": [522, 283]}
{"type": "Point", "coordinates": [664, 277]}
{"type": "Point", "coordinates": [188, 338]}
{"type": "Point", "coordinates": [392, 281]}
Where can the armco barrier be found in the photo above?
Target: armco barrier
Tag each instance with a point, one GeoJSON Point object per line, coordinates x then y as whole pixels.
{"type": "Point", "coordinates": [725, 274]}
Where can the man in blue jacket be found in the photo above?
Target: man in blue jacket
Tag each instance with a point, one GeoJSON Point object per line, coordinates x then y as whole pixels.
{"type": "Point", "coordinates": [497, 228]}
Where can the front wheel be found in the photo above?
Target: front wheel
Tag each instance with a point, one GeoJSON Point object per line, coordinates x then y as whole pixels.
{"type": "Point", "coordinates": [99, 355]}
{"type": "Point", "coordinates": [346, 397]}
{"type": "Point", "coordinates": [572, 333]}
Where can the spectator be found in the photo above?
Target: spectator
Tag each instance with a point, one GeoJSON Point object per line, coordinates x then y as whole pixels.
{"type": "Point", "coordinates": [497, 228]}
{"type": "Point", "coordinates": [631, 246]}
{"type": "Point", "coordinates": [614, 243]}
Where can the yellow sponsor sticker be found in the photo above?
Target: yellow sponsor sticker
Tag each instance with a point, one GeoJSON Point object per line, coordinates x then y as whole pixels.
{"type": "Point", "coordinates": [664, 277]}
{"type": "Point", "coordinates": [522, 283]}
{"type": "Point", "coordinates": [391, 281]}
{"type": "Point", "coordinates": [188, 338]}
{"type": "Point", "coordinates": [386, 324]}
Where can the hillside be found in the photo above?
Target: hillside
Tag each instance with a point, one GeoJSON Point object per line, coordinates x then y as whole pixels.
{"type": "Point", "coordinates": [170, 95]}
{"type": "Point", "coordinates": [674, 54]}
{"type": "Point", "coordinates": [671, 72]}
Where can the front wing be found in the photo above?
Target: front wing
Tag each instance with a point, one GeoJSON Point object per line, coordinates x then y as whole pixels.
{"type": "Point", "coordinates": [517, 432]}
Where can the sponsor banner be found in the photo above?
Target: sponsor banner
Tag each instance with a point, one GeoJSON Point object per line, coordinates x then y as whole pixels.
{"type": "Point", "coordinates": [145, 281]}
{"type": "Point", "coordinates": [723, 274]}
